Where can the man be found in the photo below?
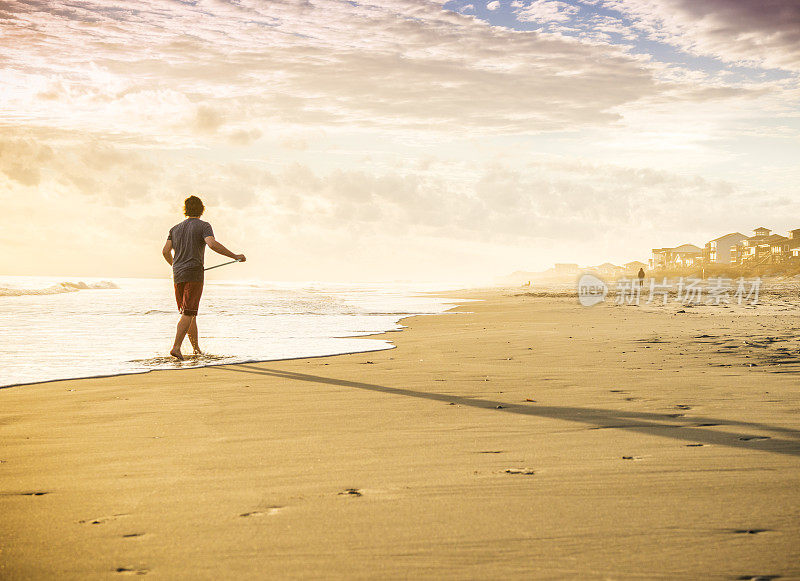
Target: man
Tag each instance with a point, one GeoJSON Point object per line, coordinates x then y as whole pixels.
{"type": "Point", "coordinates": [641, 277]}
{"type": "Point", "coordinates": [188, 240]}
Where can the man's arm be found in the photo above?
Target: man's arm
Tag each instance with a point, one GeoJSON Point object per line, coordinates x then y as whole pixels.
{"type": "Point", "coordinates": [220, 249]}
{"type": "Point", "coordinates": [167, 252]}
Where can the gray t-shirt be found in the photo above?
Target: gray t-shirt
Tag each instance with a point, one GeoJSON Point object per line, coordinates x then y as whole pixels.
{"type": "Point", "coordinates": [188, 241]}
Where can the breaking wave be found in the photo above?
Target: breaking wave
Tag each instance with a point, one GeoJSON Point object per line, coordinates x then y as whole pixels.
{"type": "Point", "coordinates": [61, 287]}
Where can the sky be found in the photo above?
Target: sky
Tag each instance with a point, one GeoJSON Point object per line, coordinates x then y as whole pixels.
{"type": "Point", "coordinates": [392, 139]}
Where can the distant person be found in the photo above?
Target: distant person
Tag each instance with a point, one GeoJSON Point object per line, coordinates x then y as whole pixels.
{"type": "Point", "coordinates": [641, 277]}
{"type": "Point", "coordinates": [188, 241]}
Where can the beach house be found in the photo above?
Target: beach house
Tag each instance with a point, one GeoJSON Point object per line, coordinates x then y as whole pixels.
{"type": "Point", "coordinates": [566, 269]}
{"type": "Point", "coordinates": [718, 250]}
{"type": "Point", "coordinates": [607, 269]}
{"type": "Point", "coordinates": [786, 248]}
{"type": "Point", "coordinates": [632, 268]}
{"type": "Point", "coordinates": [761, 248]}
{"type": "Point", "coordinates": [794, 244]}
{"type": "Point", "coordinates": [677, 257]}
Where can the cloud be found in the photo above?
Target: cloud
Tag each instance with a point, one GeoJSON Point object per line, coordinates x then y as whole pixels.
{"type": "Point", "coordinates": [392, 65]}
{"type": "Point", "coordinates": [536, 211]}
{"type": "Point", "coordinates": [493, 5]}
{"type": "Point", "coordinates": [497, 203]}
{"type": "Point", "coordinates": [490, 201]}
{"type": "Point", "coordinates": [250, 69]}
{"type": "Point", "coordinates": [244, 137]}
{"type": "Point", "coordinates": [545, 11]}
{"type": "Point", "coordinates": [762, 33]}
{"type": "Point", "coordinates": [22, 159]}
{"type": "Point", "coordinates": [207, 120]}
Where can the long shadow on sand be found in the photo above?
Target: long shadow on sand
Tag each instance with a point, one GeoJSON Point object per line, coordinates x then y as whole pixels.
{"type": "Point", "coordinates": [679, 428]}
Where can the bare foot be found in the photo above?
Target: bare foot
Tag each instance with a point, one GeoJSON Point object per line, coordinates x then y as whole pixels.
{"type": "Point", "coordinates": [176, 353]}
{"type": "Point", "coordinates": [197, 353]}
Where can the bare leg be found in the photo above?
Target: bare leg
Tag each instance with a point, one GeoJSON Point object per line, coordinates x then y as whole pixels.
{"type": "Point", "coordinates": [183, 326]}
{"type": "Point", "coordinates": [194, 338]}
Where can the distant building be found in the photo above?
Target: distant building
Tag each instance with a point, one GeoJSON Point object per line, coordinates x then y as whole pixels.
{"type": "Point", "coordinates": [677, 257]}
{"type": "Point", "coordinates": [778, 248]}
{"type": "Point", "coordinates": [794, 244]}
{"type": "Point", "coordinates": [762, 248]}
{"type": "Point", "coordinates": [607, 269]}
{"type": "Point", "coordinates": [718, 250]}
{"type": "Point", "coordinates": [566, 269]}
{"type": "Point", "coordinates": [784, 249]}
{"type": "Point", "coordinates": [633, 267]}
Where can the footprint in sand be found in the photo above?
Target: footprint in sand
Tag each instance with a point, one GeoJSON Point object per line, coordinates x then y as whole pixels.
{"type": "Point", "coordinates": [520, 471]}
{"type": "Point", "coordinates": [133, 535]}
{"type": "Point", "coordinates": [101, 519]}
{"type": "Point", "coordinates": [750, 438]}
{"type": "Point", "coordinates": [683, 406]}
{"type": "Point", "coordinates": [351, 492]}
{"type": "Point", "coordinates": [131, 571]}
{"type": "Point", "coordinates": [758, 577]}
{"type": "Point", "coordinates": [694, 445]}
{"type": "Point", "coordinates": [270, 511]}
{"type": "Point", "coordinates": [491, 452]}
{"type": "Point", "coordinates": [32, 493]}
{"type": "Point", "coordinates": [749, 531]}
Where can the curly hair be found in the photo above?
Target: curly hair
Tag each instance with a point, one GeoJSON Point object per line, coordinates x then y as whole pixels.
{"type": "Point", "coordinates": [193, 206]}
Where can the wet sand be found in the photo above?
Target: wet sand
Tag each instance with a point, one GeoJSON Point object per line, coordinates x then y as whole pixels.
{"type": "Point", "coordinates": [521, 436]}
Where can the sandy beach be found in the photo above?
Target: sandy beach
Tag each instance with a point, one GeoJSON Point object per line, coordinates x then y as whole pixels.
{"type": "Point", "coordinates": [522, 436]}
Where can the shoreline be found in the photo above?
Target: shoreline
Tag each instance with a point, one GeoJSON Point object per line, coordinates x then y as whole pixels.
{"type": "Point", "coordinates": [214, 364]}
{"type": "Point", "coordinates": [524, 438]}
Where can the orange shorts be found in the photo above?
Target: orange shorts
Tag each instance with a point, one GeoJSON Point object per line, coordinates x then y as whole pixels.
{"type": "Point", "coordinates": [188, 294]}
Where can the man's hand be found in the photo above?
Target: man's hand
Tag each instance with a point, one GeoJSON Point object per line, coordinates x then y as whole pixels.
{"type": "Point", "coordinates": [220, 249]}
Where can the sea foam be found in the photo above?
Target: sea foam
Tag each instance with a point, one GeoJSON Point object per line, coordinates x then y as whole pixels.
{"type": "Point", "coordinates": [58, 288]}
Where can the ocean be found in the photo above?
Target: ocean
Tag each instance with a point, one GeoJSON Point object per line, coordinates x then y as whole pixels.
{"type": "Point", "coordinates": [64, 328]}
